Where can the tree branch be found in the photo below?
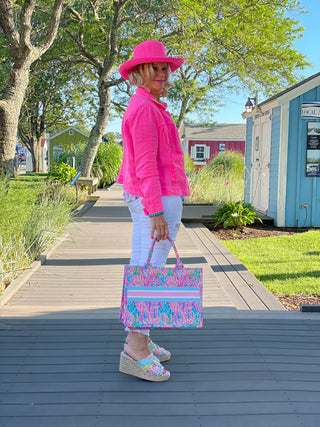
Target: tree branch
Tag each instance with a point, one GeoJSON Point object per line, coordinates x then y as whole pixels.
{"type": "Point", "coordinates": [25, 24]}
{"type": "Point", "coordinates": [111, 83]}
{"type": "Point", "coordinates": [85, 53]}
{"type": "Point", "coordinates": [137, 16]}
{"type": "Point", "coordinates": [74, 13]}
{"type": "Point", "coordinates": [53, 26]}
{"type": "Point", "coordinates": [121, 106]}
{"type": "Point", "coordinates": [8, 26]}
{"type": "Point", "coordinates": [96, 15]}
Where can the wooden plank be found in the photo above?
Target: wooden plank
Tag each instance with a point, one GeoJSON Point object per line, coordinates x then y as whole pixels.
{"type": "Point", "coordinates": [265, 420]}
{"type": "Point", "coordinates": [227, 285]}
{"type": "Point", "coordinates": [261, 292]}
{"type": "Point", "coordinates": [251, 290]}
{"type": "Point", "coordinates": [238, 370]}
{"type": "Point", "coordinates": [232, 270]}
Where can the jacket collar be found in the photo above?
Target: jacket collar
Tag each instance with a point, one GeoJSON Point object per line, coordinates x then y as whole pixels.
{"type": "Point", "coordinates": [143, 92]}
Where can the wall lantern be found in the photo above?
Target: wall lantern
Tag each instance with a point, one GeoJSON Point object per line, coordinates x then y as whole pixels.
{"type": "Point", "coordinates": [249, 106]}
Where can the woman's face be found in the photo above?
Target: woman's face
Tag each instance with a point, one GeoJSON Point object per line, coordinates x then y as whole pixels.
{"type": "Point", "coordinates": [161, 75]}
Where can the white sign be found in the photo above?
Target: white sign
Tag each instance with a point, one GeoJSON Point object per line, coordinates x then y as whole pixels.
{"type": "Point", "coordinates": [310, 110]}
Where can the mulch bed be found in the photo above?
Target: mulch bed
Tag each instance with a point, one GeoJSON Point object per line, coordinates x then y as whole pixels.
{"type": "Point", "coordinates": [290, 302]}
{"type": "Point", "coordinates": [251, 232]}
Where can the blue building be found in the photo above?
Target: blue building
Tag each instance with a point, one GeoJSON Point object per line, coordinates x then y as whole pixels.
{"type": "Point", "coordinates": [283, 156]}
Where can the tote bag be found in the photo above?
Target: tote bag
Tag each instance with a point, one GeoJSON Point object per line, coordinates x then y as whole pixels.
{"type": "Point", "coordinates": [161, 297]}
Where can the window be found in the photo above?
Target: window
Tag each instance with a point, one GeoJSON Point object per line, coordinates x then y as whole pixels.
{"type": "Point", "coordinates": [222, 147]}
{"type": "Point", "coordinates": [200, 152]}
{"type": "Point", "coordinates": [71, 132]}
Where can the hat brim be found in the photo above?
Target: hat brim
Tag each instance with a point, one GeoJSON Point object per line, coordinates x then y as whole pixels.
{"type": "Point", "coordinates": [126, 67]}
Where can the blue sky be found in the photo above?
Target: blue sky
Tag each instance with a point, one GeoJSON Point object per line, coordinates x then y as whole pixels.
{"type": "Point", "coordinates": [309, 45]}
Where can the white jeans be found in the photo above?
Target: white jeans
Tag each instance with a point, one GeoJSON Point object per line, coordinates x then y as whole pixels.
{"type": "Point", "coordinates": [141, 238]}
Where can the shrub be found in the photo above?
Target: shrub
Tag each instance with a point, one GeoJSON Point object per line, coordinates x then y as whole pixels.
{"type": "Point", "coordinates": [189, 166]}
{"type": "Point", "coordinates": [61, 173]}
{"type": "Point", "coordinates": [68, 153]}
{"type": "Point", "coordinates": [229, 162]}
{"type": "Point", "coordinates": [107, 163]}
{"type": "Point", "coordinates": [235, 215]}
{"type": "Point", "coordinates": [220, 181]}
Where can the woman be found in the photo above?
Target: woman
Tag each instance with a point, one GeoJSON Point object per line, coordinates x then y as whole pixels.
{"type": "Point", "coordinates": [154, 182]}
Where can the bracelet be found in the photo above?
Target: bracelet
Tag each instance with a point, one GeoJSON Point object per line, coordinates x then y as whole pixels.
{"type": "Point", "coordinates": [156, 214]}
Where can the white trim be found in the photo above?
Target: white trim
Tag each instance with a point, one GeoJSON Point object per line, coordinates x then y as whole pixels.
{"type": "Point", "coordinates": [283, 160]}
{"type": "Point", "coordinates": [300, 90]}
{"type": "Point", "coordinates": [48, 142]}
{"type": "Point", "coordinates": [198, 163]}
{"type": "Point", "coordinates": [187, 148]}
{"type": "Point", "coordinates": [207, 152]}
{"type": "Point", "coordinates": [66, 130]}
{"type": "Point", "coordinates": [218, 139]}
{"type": "Point", "coordinates": [204, 152]}
{"type": "Point", "coordinates": [286, 97]}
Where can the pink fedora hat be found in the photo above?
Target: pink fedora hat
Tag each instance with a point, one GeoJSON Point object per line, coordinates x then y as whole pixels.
{"type": "Point", "coordinates": [146, 52]}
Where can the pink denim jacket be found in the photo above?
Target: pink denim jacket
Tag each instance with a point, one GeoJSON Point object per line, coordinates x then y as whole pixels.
{"type": "Point", "coordinates": [153, 163]}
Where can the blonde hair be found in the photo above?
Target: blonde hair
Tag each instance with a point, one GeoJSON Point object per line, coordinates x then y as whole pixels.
{"type": "Point", "coordinates": [142, 72]}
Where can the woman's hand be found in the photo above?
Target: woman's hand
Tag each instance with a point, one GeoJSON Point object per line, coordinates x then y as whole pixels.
{"type": "Point", "coordinates": [159, 228]}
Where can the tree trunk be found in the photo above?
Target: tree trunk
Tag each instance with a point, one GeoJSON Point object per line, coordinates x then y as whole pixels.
{"type": "Point", "coordinates": [182, 114]}
{"type": "Point", "coordinates": [97, 131]}
{"type": "Point", "coordinates": [37, 150]}
{"type": "Point", "coordinates": [9, 117]}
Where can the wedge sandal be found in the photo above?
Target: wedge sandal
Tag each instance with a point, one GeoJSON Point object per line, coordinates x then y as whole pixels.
{"type": "Point", "coordinates": [149, 369]}
{"type": "Point", "coordinates": [161, 353]}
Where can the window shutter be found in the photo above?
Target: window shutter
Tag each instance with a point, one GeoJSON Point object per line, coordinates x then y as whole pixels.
{"type": "Point", "coordinates": [193, 152]}
{"type": "Point", "coordinates": [207, 152]}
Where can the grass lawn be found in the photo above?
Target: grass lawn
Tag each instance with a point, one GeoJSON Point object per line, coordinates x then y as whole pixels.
{"type": "Point", "coordinates": [286, 265]}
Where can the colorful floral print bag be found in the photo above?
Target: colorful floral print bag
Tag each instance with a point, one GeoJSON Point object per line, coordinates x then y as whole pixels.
{"type": "Point", "coordinates": [161, 297]}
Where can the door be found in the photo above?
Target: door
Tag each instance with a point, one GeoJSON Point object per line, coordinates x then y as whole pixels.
{"type": "Point", "coordinates": [260, 163]}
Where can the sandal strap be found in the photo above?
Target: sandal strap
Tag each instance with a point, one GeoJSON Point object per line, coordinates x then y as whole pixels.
{"type": "Point", "coordinates": [159, 351]}
{"type": "Point", "coordinates": [153, 364]}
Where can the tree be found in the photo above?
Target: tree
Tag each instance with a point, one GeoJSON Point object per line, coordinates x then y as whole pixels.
{"type": "Point", "coordinates": [104, 35]}
{"type": "Point", "coordinates": [222, 54]}
{"type": "Point", "coordinates": [239, 43]}
{"type": "Point", "coordinates": [29, 30]}
{"type": "Point", "coordinates": [54, 99]}
{"type": "Point", "coordinates": [212, 36]}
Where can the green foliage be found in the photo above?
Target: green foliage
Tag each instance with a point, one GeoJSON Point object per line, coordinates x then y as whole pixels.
{"type": "Point", "coordinates": [32, 214]}
{"type": "Point", "coordinates": [235, 215]}
{"type": "Point", "coordinates": [107, 163]}
{"type": "Point", "coordinates": [286, 265]}
{"type": "Point", "coordinates": [189, 166]}
{"type": "Point", "coordinates": [220, 181]}
{"type": "Point", "coordinates": [221, 56]}
{"type": "Point", "coordinates": [61, 173]}
{"type": "Point", "coordinates": [67, 154]}
{"type": "Point", "coordinates": [227, 163]}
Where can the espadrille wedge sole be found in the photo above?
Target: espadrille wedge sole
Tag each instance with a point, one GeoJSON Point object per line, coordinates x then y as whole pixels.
{"type": "Point", "coordinates": [130, 367]}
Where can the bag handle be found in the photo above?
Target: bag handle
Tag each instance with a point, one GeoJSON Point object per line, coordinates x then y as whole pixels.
{"type": "Point", "coordinates": [148, 263]}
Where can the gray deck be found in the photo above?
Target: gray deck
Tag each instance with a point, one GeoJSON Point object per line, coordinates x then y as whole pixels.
{"type": "Point", "coordinates": [252, 364]}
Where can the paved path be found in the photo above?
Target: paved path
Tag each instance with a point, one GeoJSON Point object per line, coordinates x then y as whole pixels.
{"type": "Point", "coordinates": [252, 364]}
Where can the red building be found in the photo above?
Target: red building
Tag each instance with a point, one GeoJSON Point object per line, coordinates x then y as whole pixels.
{"type": "Point", "coordinates": [203, 143]}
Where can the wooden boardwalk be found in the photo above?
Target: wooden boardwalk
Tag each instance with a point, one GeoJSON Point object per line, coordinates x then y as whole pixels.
{"type": "Point", "coordinates": [252, 364]}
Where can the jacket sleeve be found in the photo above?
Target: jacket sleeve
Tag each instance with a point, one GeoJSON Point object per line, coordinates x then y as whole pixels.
{"type": "Point", "coordinates": [144, 129]}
